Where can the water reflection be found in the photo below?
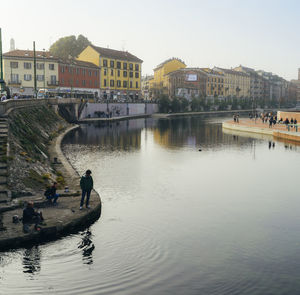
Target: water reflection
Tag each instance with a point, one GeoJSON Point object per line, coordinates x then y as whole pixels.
{"type": "Point", "coordinates": [32, 260]}
{"type": "Point", "coordinates": [87, 246]}
{"type": "Point", "coordinates": [192, 132]}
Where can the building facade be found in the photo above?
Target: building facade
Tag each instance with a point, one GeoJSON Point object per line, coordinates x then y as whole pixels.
{"type": "Point", "coordinates": [120, 72]}
{"type": "Point", "coordinates": [160, 83]}
{"type": "Point", "coordinates": [18, 71]}
{"type": "Point", "coordinates": [187, 83]}
{"type": "Point", "coordinates": [145, 82]}
{"type": "Point", "coordinates": [214, 83]}
{"type": "Point", "coordinates": [78, 77]}
{"type": "Point", "coordinates": [257, 83]}
{"type": "Point", "coordinates": [236, 84]}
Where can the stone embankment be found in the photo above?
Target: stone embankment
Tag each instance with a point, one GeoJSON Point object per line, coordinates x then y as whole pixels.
{"type": "Point", "coordinates": [278, 131]}
{"type": "Point", "coordinates": [36, 159]}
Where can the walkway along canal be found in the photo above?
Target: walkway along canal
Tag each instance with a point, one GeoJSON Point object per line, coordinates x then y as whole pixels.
{"type": "Point", "coordinates": [59, 220]}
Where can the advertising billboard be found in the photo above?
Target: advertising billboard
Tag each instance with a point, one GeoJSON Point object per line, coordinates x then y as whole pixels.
{"type": "Point", "coordinates": [191, 77]}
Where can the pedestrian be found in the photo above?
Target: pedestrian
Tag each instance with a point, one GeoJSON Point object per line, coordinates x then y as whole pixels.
{"type": "Point", "coordinates": [86, 185]}
{"type": "Point", "coordinates": [51, 194]}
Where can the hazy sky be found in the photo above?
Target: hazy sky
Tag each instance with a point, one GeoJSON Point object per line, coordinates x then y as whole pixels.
{"type": "Point", "coordinates": [262, 34]}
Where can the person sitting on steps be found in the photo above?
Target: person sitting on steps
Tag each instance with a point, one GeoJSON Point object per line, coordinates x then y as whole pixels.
{"type": "Point", "coordinates": [51, 194]}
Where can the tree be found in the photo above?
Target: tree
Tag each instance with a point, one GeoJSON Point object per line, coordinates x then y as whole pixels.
{"type": "Point", "coordinates": [69, 46]}
{"type": "Point", "coordinates": [163, 104]}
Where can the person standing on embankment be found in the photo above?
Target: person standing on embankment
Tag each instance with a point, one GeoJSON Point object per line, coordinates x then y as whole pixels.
{"type": "Point", "coordinates": [86, 185]}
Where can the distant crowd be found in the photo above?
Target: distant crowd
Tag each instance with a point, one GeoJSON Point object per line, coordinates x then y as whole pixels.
{"type": "Point", "coordinates": [269, 118]}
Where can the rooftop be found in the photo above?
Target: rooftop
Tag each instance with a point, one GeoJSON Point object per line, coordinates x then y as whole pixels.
{"type": "Point", "coordinates": [28, 54]}
{"type": "Point", "coordinates": [79, 63]}
{"type": "Point", "coordinates": [169, 60]}
{"type": "Point", "coordinates": [116, 54]}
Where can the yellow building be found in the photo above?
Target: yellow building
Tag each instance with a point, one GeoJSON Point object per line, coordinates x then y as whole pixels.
{"type": "Point", "coordinates": [18, 71]}
{"type": "Point", "coordinates": [160, 82]}
{"type": "Point", "coordinates": [214, 83]}
{"type": "Point", "coordinates": [120, 71]}
{"type": "Point", "coordinates": [236, 84]}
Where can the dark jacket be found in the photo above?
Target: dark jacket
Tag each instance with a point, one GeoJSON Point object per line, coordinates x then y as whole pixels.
{"type": "Point", "coordinates": [28, 214]}
{"type": "Point", "coordinates": [50, 192]}
{"type": "Point", "coordinates": [86, 183]}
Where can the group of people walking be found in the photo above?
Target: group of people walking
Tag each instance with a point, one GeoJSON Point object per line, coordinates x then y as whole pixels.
{"type": "Point", "coordinates": [32, 216]}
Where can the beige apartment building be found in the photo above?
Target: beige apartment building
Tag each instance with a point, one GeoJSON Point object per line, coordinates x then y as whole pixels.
{"type": "Point", "coordinates": [18, 71]}
{"type": "Point", "coordinates": [236, 84]}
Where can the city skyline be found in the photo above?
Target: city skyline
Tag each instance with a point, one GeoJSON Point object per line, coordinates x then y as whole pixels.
{"type": "Point", "coordinates": [225, 34]}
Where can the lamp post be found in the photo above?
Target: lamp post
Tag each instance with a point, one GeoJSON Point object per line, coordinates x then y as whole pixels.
{"type": "Point", "coordinates": [44, 69]}
{"type": "Point", "coordinates": [1, 63]}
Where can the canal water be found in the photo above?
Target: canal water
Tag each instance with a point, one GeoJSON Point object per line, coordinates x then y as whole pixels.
{"type": "Point", "coordinates": [187, 209]}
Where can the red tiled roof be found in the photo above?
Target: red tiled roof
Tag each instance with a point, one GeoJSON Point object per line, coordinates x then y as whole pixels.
{"type": "Point", "coordinates": [78, 63]}
{"type": "Point", "coordinates": [116, 54]}
{"type": "Point", "coordinates": [29, 53]}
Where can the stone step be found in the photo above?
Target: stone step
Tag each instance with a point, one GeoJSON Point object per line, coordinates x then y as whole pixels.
{"type": "Point", "coordinates": [3, 180]}
{"type": "Point", "coordinates": [3, 166]}
{"type": "Point", "coordinates": [3, 172]}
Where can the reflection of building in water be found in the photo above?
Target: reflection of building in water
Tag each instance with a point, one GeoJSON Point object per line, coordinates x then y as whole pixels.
{"type": "Point", "coordinates": [31, 260]}
{"type": "Point", "coordinates": [193, 132]}
{"type": "Point", "coordinates": [122, 135]}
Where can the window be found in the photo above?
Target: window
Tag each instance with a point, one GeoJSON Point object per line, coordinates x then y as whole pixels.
{"type": "Point", "coordinates": [14, 64]}
{"type": "Point", "coordinates": [124, 73]}
{"type": "Point", "coordinates": [131, 74]}
{"type": "Point", "coordinates": [62, 69]}
{"type": "Point", "coordinates": [77, 82]}
{"type": "Point", "coordinates": [27, 77]}
{"type": "Point", "coordinates": [83, 82]}
{"type": "Point", "coordinates": [78, 71]}
{"type": "Point", "coordinates": [69, 69]}
{"type": "Point", "coordinates": [40, 77]}
{"type": "Point", "coordinates": [62, 81]}
{"type": "Point", "coordinates": [125, 84]}
{"type": "Point", "coordinates": [14, 77]}
{"type": "Point", "coordinates": [105, 62]}
{"type": "Point", "coordinates": [118, 65]}
{"type": "Point", "coordinates": [136, 84]}
{"type": "Point", "coordinates": [112, 64]}
{"type": "Point", "coordinates": [104, 82]}
{"type": "Point", "coordinates": [125, 66]}
{"type": "Point", "coordinates": [119, 73]}
{"type": "Point", "coordinates": [83, 73]}
{"type": "Point", "coordinates": [27, 65]}
{"type": "Point", "coordinates": [96, 74]}
{"type": "Point", "coordinates": [136, 74]}
{"type": "Point", "coordinates": [137, 67]}
{"type": "Point", "coordinates": [40, 66]}
{"type": "Point", "coordinates": [53, 79]}
{"type": "Point", "coordinates": [112, 83]}
{"type": "Point", "coordinates": [96, 83]}
{"type": "Point", "coordinates": [130, 84]}
{"type": "Point", "coordinates": [105, 72]}
{"type": "Point", "coordinates": [51, 67]}
{"type": "Point", "coordinates": [111, 72]}
{"type": "Point", "coordinates": [131, 67]}
{"type": "Point", "coordinates": [90, 73]}
{"type": "Point", "coordinates": [118, 83]}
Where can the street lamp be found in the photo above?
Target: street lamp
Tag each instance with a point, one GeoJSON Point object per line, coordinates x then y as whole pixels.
{"type": "Point", "coordinates": [44, 70]}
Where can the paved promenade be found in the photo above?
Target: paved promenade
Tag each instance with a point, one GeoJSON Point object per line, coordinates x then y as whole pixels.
{"type": "Point", "coordinates": [256, 126]}
{"type": "Point", "coordinates": [59, 220]}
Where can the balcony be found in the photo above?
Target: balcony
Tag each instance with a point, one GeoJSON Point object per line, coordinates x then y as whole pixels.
{"type": "Point", "coordinates": [14, 82]}
{"type": "Point", "coordinates": [52, 83]}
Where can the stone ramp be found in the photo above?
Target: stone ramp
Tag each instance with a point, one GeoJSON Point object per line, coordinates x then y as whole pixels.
{"type": "Point", "coordinates": [59, 220]}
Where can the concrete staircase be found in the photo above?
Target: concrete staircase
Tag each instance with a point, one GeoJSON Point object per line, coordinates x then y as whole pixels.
{"type": "Point", "coordinates": [5, 195]}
